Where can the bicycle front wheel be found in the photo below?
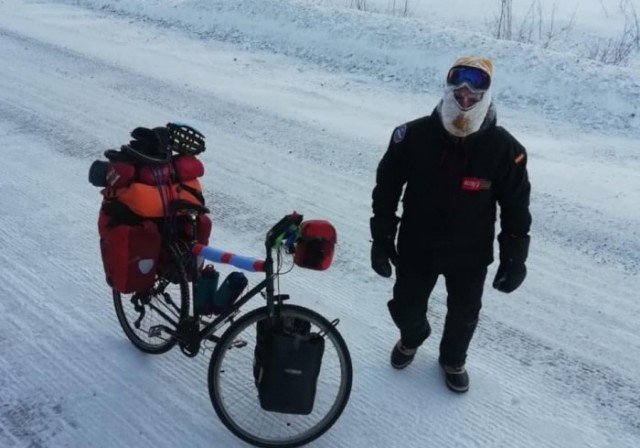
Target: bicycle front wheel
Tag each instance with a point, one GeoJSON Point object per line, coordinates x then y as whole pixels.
{"type": "Point", "coordinates": [234, 395]}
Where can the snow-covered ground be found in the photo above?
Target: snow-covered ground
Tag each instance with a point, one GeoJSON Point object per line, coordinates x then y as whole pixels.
{"type": "Point", "coordinates": [298, 100]}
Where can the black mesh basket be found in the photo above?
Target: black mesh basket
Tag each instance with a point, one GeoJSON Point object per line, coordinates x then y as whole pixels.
{"type": "Point", "coordinates": [184, 139]}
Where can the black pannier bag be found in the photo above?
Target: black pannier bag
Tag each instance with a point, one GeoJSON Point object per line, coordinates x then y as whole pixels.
{"type": "Point", "coordinates": [287, 363]}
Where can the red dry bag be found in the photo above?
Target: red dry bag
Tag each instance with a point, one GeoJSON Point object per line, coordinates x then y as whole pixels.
{"type": "Point", "coordinates": [314, 248]}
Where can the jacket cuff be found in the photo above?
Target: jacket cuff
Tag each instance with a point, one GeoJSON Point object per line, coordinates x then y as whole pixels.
{"type": "Point", "coordinates": [513, 249]}
{"type": "Point", "coordinates": [383, 228]}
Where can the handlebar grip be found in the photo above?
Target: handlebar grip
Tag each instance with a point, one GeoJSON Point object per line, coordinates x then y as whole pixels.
{"type": "Point", "coordinates": [216, 255]}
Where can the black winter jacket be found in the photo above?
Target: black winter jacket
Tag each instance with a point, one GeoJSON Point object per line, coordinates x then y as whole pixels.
{"type": "Point", "coordinates": [451, 188]}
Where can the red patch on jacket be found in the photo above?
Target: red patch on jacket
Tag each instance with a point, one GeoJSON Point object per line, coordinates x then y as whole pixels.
{"type": "Point", "coordinates": [475, 184]}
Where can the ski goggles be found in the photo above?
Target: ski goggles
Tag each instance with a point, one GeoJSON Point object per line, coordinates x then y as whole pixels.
{"type": "Point", "coordinates": [474, 77]}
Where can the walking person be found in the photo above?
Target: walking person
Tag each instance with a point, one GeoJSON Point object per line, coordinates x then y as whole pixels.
{"type": "Point", "coordinates": [456, 166]}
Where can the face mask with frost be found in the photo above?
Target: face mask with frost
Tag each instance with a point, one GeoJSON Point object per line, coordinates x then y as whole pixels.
{"type": "Point", "coordinates": [467, 96]}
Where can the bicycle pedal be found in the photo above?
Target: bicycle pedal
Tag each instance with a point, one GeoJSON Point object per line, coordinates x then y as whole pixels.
{"type": "Point", "coordinates": [155, 331]}
{"type": "Point", "coordinates": [282, 297]}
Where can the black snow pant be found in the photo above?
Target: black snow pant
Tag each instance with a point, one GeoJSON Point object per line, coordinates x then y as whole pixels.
{"type": "Point", "coordinates": [409, 305]}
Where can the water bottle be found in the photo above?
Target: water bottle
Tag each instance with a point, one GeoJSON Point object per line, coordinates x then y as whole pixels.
{"type": "Point", "coordinates": [229, 291]}
{"type": "Point", "coordinates": [205, 293]}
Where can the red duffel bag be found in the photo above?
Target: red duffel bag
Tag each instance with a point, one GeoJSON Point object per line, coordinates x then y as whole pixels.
{"type": "Point", "coordinates": [314, 248]}
{"type": "Point", "coordinates": [129, 254]}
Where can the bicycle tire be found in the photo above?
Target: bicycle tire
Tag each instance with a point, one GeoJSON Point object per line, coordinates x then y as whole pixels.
{"type": "Point", "coordinates": [242, 376]}
{"type": "Point", "coordinates": [156, 345]}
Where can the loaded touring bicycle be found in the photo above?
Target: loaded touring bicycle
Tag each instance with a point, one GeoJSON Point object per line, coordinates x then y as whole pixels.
{"type": "Point", "coordinates": [280, 375]}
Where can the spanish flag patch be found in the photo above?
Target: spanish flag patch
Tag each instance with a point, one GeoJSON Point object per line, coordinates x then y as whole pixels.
{"type": "Point", "coordinates": [519, 158]}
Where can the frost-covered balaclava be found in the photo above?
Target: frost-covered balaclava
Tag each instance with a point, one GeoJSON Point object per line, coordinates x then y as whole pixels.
{"type": "Point", "coordinates": [457, 120]}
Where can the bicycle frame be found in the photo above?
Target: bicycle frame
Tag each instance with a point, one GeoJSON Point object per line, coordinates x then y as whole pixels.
{"type": "Point", "coordinates": [281, 231]}
{"type": "Point", "coordinates": [185, 327]}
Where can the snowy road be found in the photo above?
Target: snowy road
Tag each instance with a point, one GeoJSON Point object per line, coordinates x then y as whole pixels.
{"type": "Point", "coordinates": [553, 365]}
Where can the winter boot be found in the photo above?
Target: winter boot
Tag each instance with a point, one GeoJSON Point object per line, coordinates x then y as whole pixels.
{"type": "Point", "coordinates": [456, 377]}
{"type": "Point", "coordinates": [401, 356]}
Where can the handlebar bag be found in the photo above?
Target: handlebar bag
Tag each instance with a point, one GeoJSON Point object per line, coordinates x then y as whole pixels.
{"type": "Point", "coordinates": [129, 253]}
{"type": "Point", "coordinates": [287, 363]}
{"type": "Point", "coordinates": [315, 247]}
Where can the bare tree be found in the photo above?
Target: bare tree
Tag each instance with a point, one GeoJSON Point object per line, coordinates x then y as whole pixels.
{"type": "Point", "coordinates": [617, 50]}
{"type": "Point", "coordinates": [360, 5]}
{"type": "Point", "coordinates": [536, 27]}
{"type": "Point", "coordinates": [400, 8]}
{"type": "Point", "coordinates": [531, 22]}
{"type": "Point", "coordinates": [533, 27]}
{"type": "Point", "coordinates": [552, 31]}
{"type": "Point", "coordinates": [631, 21]}
{"type": "Point", "coordinates": [613, 51]}
{"type": "Point", "coordinates": [505, 20]}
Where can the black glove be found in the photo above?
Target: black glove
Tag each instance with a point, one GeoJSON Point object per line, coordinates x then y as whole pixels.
{"type": "Point", "coordinates": [512, 269]}
{"type": "Point", "coordinates": [382, 254]}
{"type": "Point", "coordinates": [383, 247]}
{"type": "Point", "coordinates": [150, 140]}
{"type": "Point", "coordinates": [149, 145]}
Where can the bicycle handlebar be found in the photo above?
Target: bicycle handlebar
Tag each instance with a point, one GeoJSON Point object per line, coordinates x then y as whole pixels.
{"type": "Point", "coordinates": [284, 232]}
{"type": "Point", "coordinates": [216, 255]}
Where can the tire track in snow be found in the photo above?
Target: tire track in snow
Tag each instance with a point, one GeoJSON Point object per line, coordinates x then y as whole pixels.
{"type": "Point", "coordinates": [608, 241]}
{"type": "Point", "coordinates": [613, 395]}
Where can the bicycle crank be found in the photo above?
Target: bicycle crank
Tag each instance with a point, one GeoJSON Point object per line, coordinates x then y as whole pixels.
{"type": "Point", "coordinates": [188, 336]}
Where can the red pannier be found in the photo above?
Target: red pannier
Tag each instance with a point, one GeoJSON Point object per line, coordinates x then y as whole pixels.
{"type": "Point", "coordinates": [314, 248]}
{"type": "Point", "coordinates": [129, 254]}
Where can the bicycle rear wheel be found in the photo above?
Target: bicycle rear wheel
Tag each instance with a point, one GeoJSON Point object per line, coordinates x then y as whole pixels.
{"type": "Point", "coordinates": [165, 304]}
{"type": "Point", "coordinates": [234, 394]}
